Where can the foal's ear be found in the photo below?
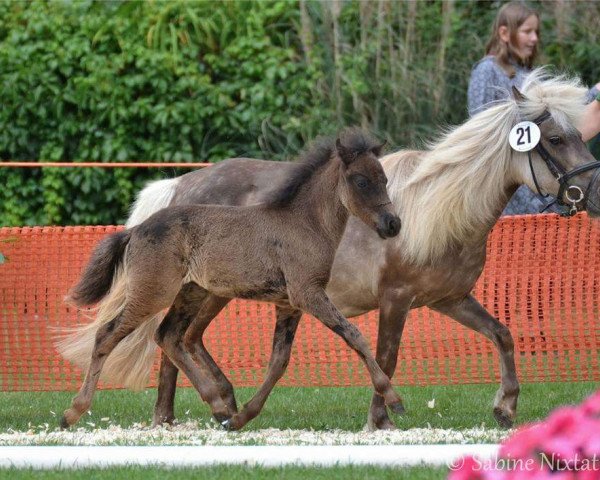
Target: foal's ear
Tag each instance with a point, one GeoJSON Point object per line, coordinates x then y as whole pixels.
{"type": "Point", "coordinates": [517, 95]}
{"type": "Point", "coordinates": [344, 153]}
{"type": "Point", "coordinates": [378, 148]}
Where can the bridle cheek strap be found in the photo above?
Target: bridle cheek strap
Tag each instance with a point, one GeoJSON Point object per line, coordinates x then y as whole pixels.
{"type": "Point", "coordinates": [565, 190]}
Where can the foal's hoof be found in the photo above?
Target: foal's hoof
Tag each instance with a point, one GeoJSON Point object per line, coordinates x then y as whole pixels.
{"type": "Point", "coordinates": [502, 418]}
{"type": "Point", "coordinates": [221, 417]}
{"type": "Point", "coordinates": [227, 425]}
{"type": "Point", "coordinates": [397, 408]}
{"type": "Point", "coordinates": [64, 425]}
{"type": "Point", "coordinates": [232, 424]}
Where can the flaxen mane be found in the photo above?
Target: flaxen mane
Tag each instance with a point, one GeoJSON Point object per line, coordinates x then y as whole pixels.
{"type": "Point", "coordinates": [449, 191]}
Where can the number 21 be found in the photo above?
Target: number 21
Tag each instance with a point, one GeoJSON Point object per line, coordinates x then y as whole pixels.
{"type": "Point", "coordinates": [521, 132]}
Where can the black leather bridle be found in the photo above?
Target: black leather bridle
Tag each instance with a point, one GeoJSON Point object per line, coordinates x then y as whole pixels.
{"type": "Point", "coordinates": [565, 190]}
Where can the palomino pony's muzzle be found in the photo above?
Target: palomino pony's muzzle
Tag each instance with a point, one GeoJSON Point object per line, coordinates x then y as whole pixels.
{"type": "Point", "coordinates": [592, 198]}
{"type": "Point", "coordinates": [574, 195]}
{"type": "Point", "coordinates": [388, 225]}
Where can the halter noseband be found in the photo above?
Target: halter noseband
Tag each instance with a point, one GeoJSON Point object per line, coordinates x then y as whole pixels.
{"type": "Point", "coordinates": [572, 193]}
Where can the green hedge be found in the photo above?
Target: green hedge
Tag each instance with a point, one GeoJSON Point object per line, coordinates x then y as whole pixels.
{"type": "Point", "coordinates": [102, 82]}
{"type": "Point", "coordinates": [202, 81]}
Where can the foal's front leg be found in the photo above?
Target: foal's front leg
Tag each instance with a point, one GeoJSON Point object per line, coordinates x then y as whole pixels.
{"type": "Point", "coordinates": [317, 303]}
{"type": "Point", "coordinates": [283, 338]}
{"type": "Point", "coordinates": [469, 312]}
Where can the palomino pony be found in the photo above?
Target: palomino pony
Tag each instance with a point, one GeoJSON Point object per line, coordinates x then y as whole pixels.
{"type": "Point", "coordinates": [449, 196]}
{"type": "Point", "coordinates": [196, 258]}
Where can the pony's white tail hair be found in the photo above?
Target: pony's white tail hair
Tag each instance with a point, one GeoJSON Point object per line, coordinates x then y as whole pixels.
{"type": "Point", "coordinates": [130, 363]}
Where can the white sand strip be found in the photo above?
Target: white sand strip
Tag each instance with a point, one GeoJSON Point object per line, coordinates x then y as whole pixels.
{"type": "Point", "coordinates": [193, 434]}
{"type": "Point", "coordinates": [266, 456]}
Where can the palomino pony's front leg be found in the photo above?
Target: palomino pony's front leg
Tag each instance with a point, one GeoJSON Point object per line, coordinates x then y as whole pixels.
{"type": "Point", "coordinates": [393, 310]}
{"type": "Point", "coordinates": [470, 313]}
{"type": "Point", "coordinates": [317, 303]}
{"type": "Point", "coordinates": [164, 408]}
{"type": "Point", "coordinates": [283, 338]}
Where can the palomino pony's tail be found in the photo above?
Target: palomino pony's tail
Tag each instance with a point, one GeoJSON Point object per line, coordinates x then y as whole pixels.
{"type": "Point", "coordinates": [130, 363]}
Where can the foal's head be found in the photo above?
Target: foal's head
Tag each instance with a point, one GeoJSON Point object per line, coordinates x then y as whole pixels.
{"type": "Point", "coordinates": [363, 183]}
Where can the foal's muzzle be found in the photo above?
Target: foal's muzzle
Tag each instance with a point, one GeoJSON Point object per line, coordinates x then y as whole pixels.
{"type": "Point", "coordinates": [388, 225]}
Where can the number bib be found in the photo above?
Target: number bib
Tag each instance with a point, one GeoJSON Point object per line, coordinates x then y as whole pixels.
{"type": "Point", "coordinates": [524, 136]}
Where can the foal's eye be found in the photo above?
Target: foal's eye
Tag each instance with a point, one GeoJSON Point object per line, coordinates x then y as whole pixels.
{"type": "Point", "coordinates": [555, 140]}
{"type": "Point", "coordinates": [360, 181]}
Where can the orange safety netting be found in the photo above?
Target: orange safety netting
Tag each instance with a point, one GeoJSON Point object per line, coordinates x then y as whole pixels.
{"type": "Point", "coordinates": [542, 279]}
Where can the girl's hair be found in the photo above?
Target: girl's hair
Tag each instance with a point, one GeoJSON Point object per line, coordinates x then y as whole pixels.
{"type": "Point", "coordinates": [512, 16]}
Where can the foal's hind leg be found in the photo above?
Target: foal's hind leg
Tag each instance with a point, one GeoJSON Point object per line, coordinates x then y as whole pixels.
{"type": "Point", "coordinates": [470, 313]}
{"type": "Point", "coordinates": [194, 347]}
{"type": "Point", "coordinates": [171, 332]}
{"type": "Point", "coordinates": [283, 338]}
{"type": "Point", "coordinates": [164, 411]}
{"type": "Point", "coordinates": [107, 338]}
{"type": "Point", "coordinates": [316, 302]}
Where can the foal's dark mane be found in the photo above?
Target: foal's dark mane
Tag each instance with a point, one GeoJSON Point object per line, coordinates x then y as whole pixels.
{"type": "Point", "coordinates": [318, 154]}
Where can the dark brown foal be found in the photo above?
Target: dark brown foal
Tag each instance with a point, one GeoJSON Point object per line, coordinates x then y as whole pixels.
{"type": "Point", "coordinates": [194, 259]}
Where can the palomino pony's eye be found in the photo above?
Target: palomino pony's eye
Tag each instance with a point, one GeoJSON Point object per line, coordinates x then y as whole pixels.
{"type": "Point", "coordinates": [360, 181]}
{"type": "Point", "coordinates": [555, 140]}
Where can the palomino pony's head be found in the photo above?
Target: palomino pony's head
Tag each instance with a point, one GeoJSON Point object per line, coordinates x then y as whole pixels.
{"type": "Point", "coordinates": [452, 193]}
{"type": "Point", "coordinates": [558, 164]}
{"type": "Point", "coordinates": [363, 187]}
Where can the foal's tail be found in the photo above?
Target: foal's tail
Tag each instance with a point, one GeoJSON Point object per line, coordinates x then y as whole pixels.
{"type": "Point", "coordinates": [97, 278]}
{"type": "Point", "coordinates": [131, 361]}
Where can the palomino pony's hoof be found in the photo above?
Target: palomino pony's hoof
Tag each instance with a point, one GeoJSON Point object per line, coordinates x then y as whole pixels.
{"type": "Point", "coordinates": [386, 424]}
{"type": "Point", "coordinates": [164, 422]}
{"type": "Point", "coordinates": [397, 408]}
{"type": "Point", "coordinates": [503, 419]}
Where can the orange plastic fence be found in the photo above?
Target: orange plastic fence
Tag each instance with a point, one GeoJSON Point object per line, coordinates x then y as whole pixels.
{"type": "Point", "coordinates": [542, 279]}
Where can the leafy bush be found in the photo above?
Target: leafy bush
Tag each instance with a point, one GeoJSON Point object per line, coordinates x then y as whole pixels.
{"type": "Point", "coordinates": [102, 82]}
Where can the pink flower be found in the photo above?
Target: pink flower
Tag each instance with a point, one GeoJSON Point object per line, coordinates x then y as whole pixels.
{"type": "Point", "coordinates": [525, 442]}
{"type": "Point", "coordinates": [566, 446]}
{"type": "Point", "coordinates": [591, 406]}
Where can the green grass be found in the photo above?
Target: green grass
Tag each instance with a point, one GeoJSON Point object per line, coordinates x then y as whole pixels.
{"type": "Point", "coordinates": [297, 408]}
{"type": "Point", "coordinates": [233, 473]}
{"type": "Point", "coordinates": [457, 407]}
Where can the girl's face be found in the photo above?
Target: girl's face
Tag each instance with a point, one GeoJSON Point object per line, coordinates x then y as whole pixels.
{"type": "Point", "coordinates": [526, 37]}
